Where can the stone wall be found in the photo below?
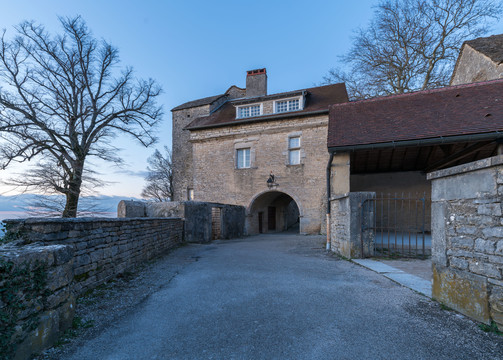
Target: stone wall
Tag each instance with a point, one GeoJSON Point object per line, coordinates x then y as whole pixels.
{"type": "Point", "coordinates": [49, 262]}
{"type": "Point", "coordinates": [467, 249]}
{"type": "Point", "coordinates": [216, 178]}
{"type": "Point", "coordinates": [103, 248]}
{"type": "Point", "coordinates": [472, 66]}
{"type": "Point", "coordinates": [198, 219]}
{"type": "Point", "coordinates": [36, 301]}
{"type": "Point", "coordinates": [345, 225]}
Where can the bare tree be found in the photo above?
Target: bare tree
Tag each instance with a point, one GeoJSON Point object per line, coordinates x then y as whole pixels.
{"type": "Point", "coordinates": [160, 177]}
{"type": "Point", "coordinates": [411, 45]}
{"type": "Point", "coordinates": [63, 99]}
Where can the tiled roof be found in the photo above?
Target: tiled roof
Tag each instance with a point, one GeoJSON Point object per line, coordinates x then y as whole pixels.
{"type": "Point", "coordinates": [450, 111]}
{"type": "Point", "coordinates": [491, 46]}
{"type": "Point", "coordinates": [199, 102]}
{"type": "Point", "coordinates": [318, 99]}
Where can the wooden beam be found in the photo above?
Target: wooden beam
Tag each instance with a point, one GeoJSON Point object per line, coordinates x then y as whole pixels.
{"type": "Point", "coordinates": [457, 156]}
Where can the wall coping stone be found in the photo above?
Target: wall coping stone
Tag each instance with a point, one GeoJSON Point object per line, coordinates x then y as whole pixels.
{"type": "Point", "coordinates": [465, 168]}
{"type": "Point", "coordinates": [82, 220]}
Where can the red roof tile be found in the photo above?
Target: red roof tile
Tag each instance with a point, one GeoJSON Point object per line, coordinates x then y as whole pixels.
{"type": "Point", "coordinates": [450, 111]}
{"type": "Point", "coordinates": [318, 99]}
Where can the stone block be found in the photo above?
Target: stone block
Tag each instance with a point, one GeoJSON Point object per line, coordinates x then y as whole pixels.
{"type": "Point", "coordinates": [459, 263]}
{"type": "Point", "coordinates": [489, 209]}
{"type": "Point", "coordinates": [484, 246]}
{"type": "Point", "coordinates": [462, 291]}
{"type": "Point", "coordinates": [439, 241]}
{"type": "Point", "coordinates": [496, 305]}
{"type": "Point", "coordinates": [59, 276]}
{"type": "Point", "coordinates": [462, 242]}
{"type": "Point", "coordinates": [66, 313]}
{"type": "Point", "coordinates": [44, 336]}
{"type": "Point", "coordinates": [493, 232]}
{"type": "Point", "coordinates": [485, 269]}
{"type": "Point", "coordinates": [468, 185]}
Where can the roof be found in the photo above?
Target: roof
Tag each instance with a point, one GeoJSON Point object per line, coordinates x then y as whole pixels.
{"type": "Point", "coordinates": [450, 111]}
{"type": "Point", "coordinates": [318, 100]}
{"type": "Point", "coordinates": [199, 102]}
{"type": "Point", "coordinates": [491, 46]}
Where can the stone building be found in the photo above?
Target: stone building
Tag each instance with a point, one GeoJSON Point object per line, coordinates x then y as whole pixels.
{"type": "Point", "coordinates": [479, 60]}
{"type": "Point", "coordinates": [265, 152]}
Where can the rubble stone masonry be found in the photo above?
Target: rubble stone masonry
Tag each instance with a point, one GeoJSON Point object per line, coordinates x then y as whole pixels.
{"type": "Point", "coordinates": [467, 248]}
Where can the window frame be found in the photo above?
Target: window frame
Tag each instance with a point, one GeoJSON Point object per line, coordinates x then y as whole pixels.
{"type": "Point", "coordinates": [243, 150]}
{"type": "Point", "coordinates": [294, 149]}
{"type": "Point", "coordinates": [276, 102]}
{"type": "Point", "coordinates": [238, 109]}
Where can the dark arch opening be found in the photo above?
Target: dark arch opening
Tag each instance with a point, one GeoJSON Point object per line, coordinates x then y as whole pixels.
{"type": "Point", "coordinates": [272, 212]}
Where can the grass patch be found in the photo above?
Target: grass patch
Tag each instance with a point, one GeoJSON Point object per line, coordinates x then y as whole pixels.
{"type": "Point", "coordinates": [493, 328]}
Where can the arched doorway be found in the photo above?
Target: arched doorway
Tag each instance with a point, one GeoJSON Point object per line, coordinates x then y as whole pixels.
{"type": "Point", "coordinates": [273, 211]}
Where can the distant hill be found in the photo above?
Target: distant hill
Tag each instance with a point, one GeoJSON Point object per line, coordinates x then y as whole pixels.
{"type": "Point", "coordinates": [16, 205]}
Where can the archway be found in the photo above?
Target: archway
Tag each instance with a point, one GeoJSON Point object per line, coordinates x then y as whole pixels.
{"type": "Point", "coordinates": [273, 211]}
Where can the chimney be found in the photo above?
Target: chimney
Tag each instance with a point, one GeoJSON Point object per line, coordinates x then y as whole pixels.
{"type": "Point", "coordinates": [256, 83]}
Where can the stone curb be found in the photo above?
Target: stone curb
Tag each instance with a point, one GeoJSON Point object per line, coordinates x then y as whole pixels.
{"type": "Point", "coordinates": [410, 281]}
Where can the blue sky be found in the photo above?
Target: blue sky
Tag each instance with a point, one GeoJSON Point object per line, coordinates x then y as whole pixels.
{"type": "Point", "coordinates": [196, 49]}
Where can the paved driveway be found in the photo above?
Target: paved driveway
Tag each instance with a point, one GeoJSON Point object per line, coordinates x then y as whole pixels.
{"type": "Point", "coordinates": [282, 297]}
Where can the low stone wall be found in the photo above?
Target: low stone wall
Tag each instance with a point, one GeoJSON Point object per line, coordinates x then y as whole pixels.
{"type": "Point", "coordinates": [199, 219]}
{"type": "Point", "coordinates": [103, 248]}
{"type": "Point", "coordinates": [467, 245]}
{"type": "Point", "coordinates": [76, 255]}
{"type": "Point", "coordinates": [345, 225]}
{"type": "Point", "coordinates": [36, 301]}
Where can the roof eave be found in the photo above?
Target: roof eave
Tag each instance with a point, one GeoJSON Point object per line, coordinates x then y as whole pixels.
{"type": "Point", "coordinates": [259, 119]}
{"type": "Point", "coordinates": [418, 142]}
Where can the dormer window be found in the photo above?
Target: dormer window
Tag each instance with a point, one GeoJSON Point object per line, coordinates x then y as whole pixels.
{"type": "Point", "coordinates": [249, 111]}
{"type": "Point", "coordinates": [281, 106]}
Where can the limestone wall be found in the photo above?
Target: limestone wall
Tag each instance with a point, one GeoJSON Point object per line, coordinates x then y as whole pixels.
{"type": "Point", "coordinates": [216, 178]}
{"type": "Point", "coordinates": [103, 248]}
{"type": "Point", "coordinates": [36, 301]}
{"type": "Point", "coordinates": [49, 262]}
{"type": "Point", "coordinates": [473, 66]}
{"type": "Point", "coordinates": [467, 230]}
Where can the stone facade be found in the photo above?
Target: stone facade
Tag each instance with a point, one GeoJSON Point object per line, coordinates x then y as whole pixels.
{"type": "Point", "coordinates": [267, 131]}
{"type": "Point", "coordinates": [217, 179]}
{"type": "Point", "coordinates": [473, 66]}
{"type": "Point", "coordinates": [182, 149]}
{"type": "Point", "coordinates": [467, 248]}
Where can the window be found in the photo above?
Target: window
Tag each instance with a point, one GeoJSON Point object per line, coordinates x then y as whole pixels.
{"type": "Point", "coordinates": [287, 105]}
{"type": "Point", "coordinates": [294, 150]}
{"type": "Point", "coordinates": [249, 111]}
{"type": "Point", "coordinates": [190, 194]}
{"type": "Point", "coordinates": [243, 158]}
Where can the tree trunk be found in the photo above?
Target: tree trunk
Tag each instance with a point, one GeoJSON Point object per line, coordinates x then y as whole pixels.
{"type": "Point", "coordinates": [73, 194]}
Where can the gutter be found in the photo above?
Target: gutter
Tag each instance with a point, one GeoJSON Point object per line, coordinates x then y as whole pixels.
{"type": "Point", "coordinates": [419, 142]}
{"type": "Point", "coordinates": [329, 190]}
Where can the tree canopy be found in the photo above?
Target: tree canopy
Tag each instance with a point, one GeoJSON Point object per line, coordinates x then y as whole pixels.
{"type": "Point", "coordinates": [411, 45]}
{"type": "Point", "coordinates": [63, 98]}
{"type": "Point", "coordinates": [160, 177]}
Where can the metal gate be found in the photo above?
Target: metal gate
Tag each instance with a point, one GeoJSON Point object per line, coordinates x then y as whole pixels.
{"type": "Point", "coordinates": [216, 223]}
{"type": "Point", "coordinates": [398, 224]}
